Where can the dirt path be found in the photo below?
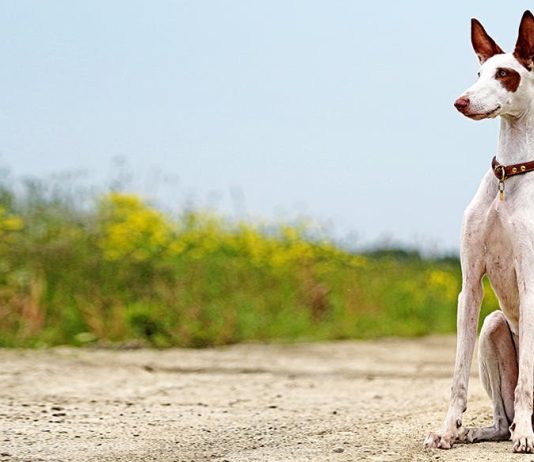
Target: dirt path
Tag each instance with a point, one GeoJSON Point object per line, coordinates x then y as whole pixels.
{"type": "Point", "coordinates": [345, 401]}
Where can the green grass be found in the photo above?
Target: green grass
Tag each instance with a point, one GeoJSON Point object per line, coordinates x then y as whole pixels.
{"type": "Point", "coordinates": [77, 269]}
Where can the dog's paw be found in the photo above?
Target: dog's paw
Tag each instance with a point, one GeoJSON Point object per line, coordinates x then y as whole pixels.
{"type": "Point", "coordinates": [522, 438]}
{"type": "Point", "coordinates": [467, 435]}
{"type": "Point", "coordinates": [440, 441]}
{"type": "Point", "coordinates": [524, 443]}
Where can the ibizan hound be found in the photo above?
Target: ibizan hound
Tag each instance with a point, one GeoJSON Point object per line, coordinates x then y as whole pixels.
{"type": "Point", "coordinates": [498, 241]}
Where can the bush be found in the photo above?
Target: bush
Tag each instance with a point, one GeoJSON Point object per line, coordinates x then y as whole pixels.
{"type": "Point", "coordinates": [115, 269]}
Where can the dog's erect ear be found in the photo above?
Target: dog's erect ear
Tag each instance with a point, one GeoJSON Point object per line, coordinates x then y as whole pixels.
{"type": "Point", "coordinates": [484, 46]}
{"type": "Point", "coordinates": [524, 48]}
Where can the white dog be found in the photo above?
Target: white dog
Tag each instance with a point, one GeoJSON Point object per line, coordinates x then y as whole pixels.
{"type": "Point", "coordinates": [498, 240]}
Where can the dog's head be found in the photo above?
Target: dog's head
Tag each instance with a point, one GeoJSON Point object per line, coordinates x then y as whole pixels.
{"type": "Point", "coordinates": [506, 80]}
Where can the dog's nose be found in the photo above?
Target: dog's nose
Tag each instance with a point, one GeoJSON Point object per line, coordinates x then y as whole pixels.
{"type": "Point", "coordinates": [461, 103]}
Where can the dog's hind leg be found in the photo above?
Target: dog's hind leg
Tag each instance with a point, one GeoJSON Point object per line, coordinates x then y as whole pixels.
{"type": "Point", "coordinates": [498, 371]}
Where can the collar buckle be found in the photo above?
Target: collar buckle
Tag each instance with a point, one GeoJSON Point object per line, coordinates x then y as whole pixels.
{"type": "Point", "coordinates": [500, 172]}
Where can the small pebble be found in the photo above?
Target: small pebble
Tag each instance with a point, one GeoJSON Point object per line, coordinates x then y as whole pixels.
{"type": "Point", "coordinates": [339, 450]}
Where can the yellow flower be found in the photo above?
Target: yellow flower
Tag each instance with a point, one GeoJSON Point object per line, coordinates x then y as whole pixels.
{"type": "Point", "coordinates": [443, 280]}
{"type": "Point", "coordinates": [131, 228]}
{"type": "Point", "coordinates": [9, 222]}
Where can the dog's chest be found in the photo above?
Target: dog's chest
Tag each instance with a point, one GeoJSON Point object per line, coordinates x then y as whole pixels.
{"type": "Point", "coordinates": [499, 261]}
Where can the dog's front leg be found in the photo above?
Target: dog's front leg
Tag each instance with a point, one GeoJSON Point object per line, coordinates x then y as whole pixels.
{"type": "Point", "coordinates": [469, 302]}
{"type": "Point", "coordinates": [521, 428]}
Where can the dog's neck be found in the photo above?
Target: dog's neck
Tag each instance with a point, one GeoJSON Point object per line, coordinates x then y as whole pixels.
{"type": "Point", "coordinates": [516, 139]}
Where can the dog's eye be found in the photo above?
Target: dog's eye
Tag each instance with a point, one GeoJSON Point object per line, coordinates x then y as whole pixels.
{"type": "Point", "coordinates": [478, 74]}
{"type": "Point", "coordinates": [502, 73]}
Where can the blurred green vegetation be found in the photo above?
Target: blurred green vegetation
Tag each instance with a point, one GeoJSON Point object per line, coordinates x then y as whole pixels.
{"type": "Point", "coordinates": [110, 268]}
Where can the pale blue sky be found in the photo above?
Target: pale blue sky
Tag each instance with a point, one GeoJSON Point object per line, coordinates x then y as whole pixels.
{"type": "Point", "coordinates": [341, 110]}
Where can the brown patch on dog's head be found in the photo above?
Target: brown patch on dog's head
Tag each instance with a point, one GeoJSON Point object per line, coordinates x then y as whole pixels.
{"type": "Point", "coordinates": [508, 78]}
{"type": "Point", "coordinates": [484, 46]}
{"type": "Point", "coordinates": [524, 48]}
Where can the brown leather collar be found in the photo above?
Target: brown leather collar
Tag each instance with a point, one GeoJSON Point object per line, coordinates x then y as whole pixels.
{"type": "Point", "coordinates": [504, 171]}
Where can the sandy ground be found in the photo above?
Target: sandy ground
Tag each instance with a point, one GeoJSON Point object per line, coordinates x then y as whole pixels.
{"type": "Point", "coordinates": [343, 401]}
